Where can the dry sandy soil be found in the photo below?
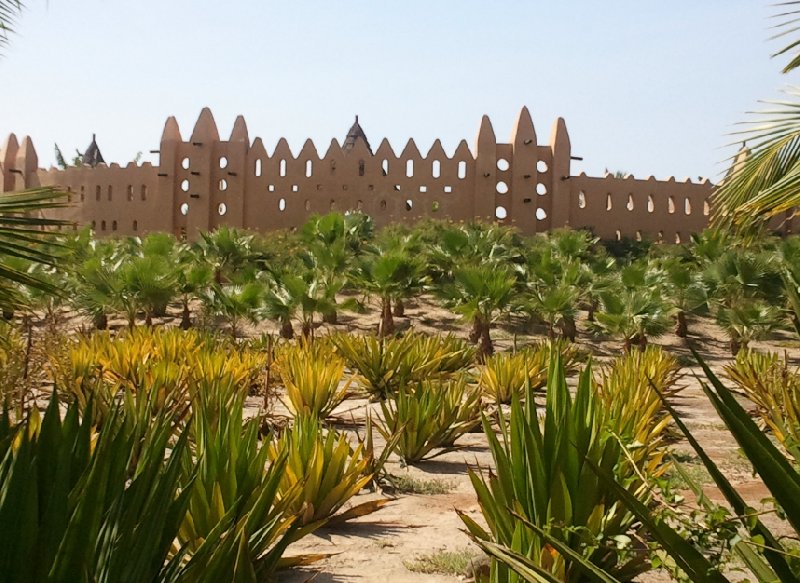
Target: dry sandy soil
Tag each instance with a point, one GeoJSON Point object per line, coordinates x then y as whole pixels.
{"type": "Point", "coordinates": [379, 546]}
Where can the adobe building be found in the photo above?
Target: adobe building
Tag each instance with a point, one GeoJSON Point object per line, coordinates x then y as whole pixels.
{"type": "Point", "coordinates": [203, 182]}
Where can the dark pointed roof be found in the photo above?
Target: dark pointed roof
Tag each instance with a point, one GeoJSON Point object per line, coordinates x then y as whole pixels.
{"type": "Point", "coordinates": [92, 156]}
{"type": "Point", "coordinates": [354, 134]}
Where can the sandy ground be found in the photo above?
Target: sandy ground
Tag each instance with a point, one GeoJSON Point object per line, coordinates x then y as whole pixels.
{"type": "Point", "coordinates": [378, 547]}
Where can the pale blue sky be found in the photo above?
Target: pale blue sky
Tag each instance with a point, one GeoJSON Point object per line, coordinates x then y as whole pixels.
{"type": "Point", "coordinates": [651, 87]}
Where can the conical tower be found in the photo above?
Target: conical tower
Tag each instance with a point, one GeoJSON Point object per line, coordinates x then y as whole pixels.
{"type": "Point", "coordinates": [92, 156]}
{"type": "Point", "coordinates": [355, 133]}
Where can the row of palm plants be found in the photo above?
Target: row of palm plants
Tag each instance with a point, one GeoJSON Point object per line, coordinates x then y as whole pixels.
{"type": "Point", "coordinates": [487, 274]}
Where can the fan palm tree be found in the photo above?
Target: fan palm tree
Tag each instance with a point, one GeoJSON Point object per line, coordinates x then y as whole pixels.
{"type": "Point", "coordinates": [764, 184]}
{"type": "Point", "coordinates": [193, 278]}
{"type": "Point", "coordinates": [302, 296]}
{"type": "Point", "coordinates": [472, 243]}
{"type": "Point", "coordinates": [228, 251]}
{"type": "Point", "coordinates": [684, 291]}
{"type": "Point", "coordinates": [95, 283]}
{"type": "Point", "coordinates": [747, 319]}
{"type": "Point", "coordinates": [235, 303]}
{"type": "Point", "coordinates": [390, 276]}
{"type": "Point", "coordinates": [634, 308]}
{"type": "Point", "coordinates": [481, 294]}
{"type": "Point", "coordinates": [151, 282]}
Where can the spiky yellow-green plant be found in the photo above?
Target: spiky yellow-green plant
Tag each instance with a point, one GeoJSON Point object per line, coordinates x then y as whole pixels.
{"type": "Point", "coordinates": [504, 374]}
{"type": "Point", "coordinates": [313, 376]}
{"type": "Point", "coordinates": [322, 473]}
{"type": "Point", "coordinates": [388, 364]}
{"type": "Point", "coordinates": [167, 367]}
{"type": "Point", "coordinates": [629, 388]}
{"type": "Point", "coordinates": [769, 382]}
{"type": "Point", "coordinates": [429, 415]}
{"type": "Point", "coordinates": [544, 485]}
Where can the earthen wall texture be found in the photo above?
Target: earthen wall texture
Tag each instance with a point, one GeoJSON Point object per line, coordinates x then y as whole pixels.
{"type": "Point", "coordinates": [205, 182]}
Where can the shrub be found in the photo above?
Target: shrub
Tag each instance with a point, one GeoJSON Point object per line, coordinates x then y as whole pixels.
{"type": "Point", "coordinates": [322, 473]}
{"type": "Point", "coordinates": [312, 375]}
{"type": "Point", "coordinates": [168, 366]}
{"type": "Point", "coordinates": [429, 415]}
{"type": "Point", "coordinates": [544, 487]}
{"type": "Point", "coordinates": [388, 364]}
{"type": "Point", "coordinates": [631, 390]}
{"type": "Point", "coordinates": [504, 375]}
{"type": "Point", "coordinates": [78, 505]}
{"type": "Point", "coordinates": [775, 390]}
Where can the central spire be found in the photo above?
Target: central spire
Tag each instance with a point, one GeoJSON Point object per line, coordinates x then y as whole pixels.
{"type": "Point", "coordinates": [355, 133]}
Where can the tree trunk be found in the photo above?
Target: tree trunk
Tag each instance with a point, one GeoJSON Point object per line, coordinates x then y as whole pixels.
{"type": "Point", "coordinates": [681, 326]}
{"type": "Point", "coordinates": [485, 348]}
{"type": "Point", "coordinates": [626, 346]}
{"type": "Point", "coordinates": [132, 321]}
{"type": "Point", "coordinates": [287, 330]}
{"type": "Point", "coordinates": [642, 342]}
{"type": "Point", "coordinates": [186, 317]}
{"type": "Point", "coordinates": [736, 345]}
{"type": "Point", "coordinates": [218, 276]}
{"type": "Point", "coordinates": [568, 329]}
{"type": "Point", "coordinates": [551, 332]}
{"type": "Point", "coordinates": [148, 319]}
{"type": "Point", "coordinates": [475, 331]}
{"type": "Point", "coordinates": [101, 321]}
{"type": "Point", "coordinates": [331, 317]}
{"type": "Point", "coordinates": [399, 308]}
{"type": "Point", "coordinates": [386, 325]}
{"type": "Point", "coordinates": [307, 330]}
{"type": "Point", "coordinates": [591, 311]}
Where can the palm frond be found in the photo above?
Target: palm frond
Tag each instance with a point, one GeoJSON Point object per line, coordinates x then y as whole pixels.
{"type": "Point", "coordinates": [9, 10]}
{"type": "Point", "coordinates": [27, 235]}
{"type": "Point", "coordinates": [765, 184]}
